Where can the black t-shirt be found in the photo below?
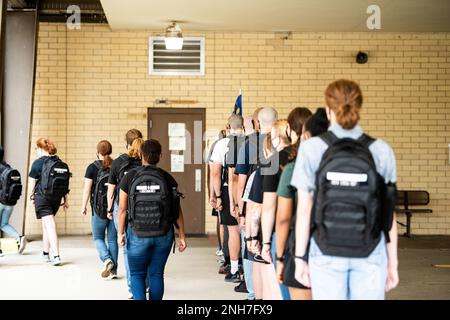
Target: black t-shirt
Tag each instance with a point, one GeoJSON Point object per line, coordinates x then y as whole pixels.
{"type": "Point", "coordinates": [270, 181]}
{"type": "Point", "coordinates": [92, 173]}
{"type": "Point", "coordinates": [128, 178]}
{"type": "Point", "coordinates": [115, 168]}
{"type": "Point", "coordinates": [36, 167]}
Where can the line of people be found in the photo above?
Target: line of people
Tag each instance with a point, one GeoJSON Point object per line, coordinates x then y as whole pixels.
{"type": "Point", "coordinates": [306, 203]}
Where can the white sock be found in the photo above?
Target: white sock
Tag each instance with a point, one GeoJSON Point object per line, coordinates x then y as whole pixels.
{"type": "Point", "coordinates": [234, 266]}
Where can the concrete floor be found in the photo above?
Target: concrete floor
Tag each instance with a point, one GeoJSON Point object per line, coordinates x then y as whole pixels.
{"type": "Point", "coordinates": [191, 275]}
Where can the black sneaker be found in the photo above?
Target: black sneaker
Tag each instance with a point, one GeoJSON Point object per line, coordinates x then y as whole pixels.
{"type": "Point", "coordinates": [1, 253]}
{"type": "Point", "coordinates": [234, 278]}
{"type": "Point", "coordinates": [242, 287]}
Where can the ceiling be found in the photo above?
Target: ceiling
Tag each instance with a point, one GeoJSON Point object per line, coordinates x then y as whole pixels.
{"type": "Point", "coordinates": [277, 15]}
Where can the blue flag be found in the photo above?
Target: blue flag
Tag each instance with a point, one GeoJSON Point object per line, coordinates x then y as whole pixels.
{"type": "Point", "coordinates": [238, 106]}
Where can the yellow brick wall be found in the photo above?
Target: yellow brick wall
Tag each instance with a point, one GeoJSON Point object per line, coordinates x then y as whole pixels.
{"type": "Point", "coordinates": [93, 84]}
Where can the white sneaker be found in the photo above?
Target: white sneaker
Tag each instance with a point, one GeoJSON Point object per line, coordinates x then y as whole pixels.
{"type": "Point", "coordinates": [107, 267]}
{"type": "Point", "coordinates": [130, 296]}
{"type": "Point", "coordinates": [113, 276]}
{"type": "Point", "coordinates": [46, 258]}
{"type": "Point", "coordinates": [57, 261]}
{"type": "Point", "coordinates": [21, 243]}
{"type": "Point", "coordinates": [219, 253]}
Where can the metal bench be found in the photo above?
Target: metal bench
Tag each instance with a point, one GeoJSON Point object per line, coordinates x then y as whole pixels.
{"type": "Point", "coordinates": [408, 198]}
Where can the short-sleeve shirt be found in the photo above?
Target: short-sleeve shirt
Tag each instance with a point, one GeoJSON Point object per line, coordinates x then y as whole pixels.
{"type": "Point", "coordinates": [36, 167]}
{"type": "Point", "coordinates": [115, 168]}
{"type": "Point", "coordinates": [285, 189]}
{"type": "Point", "coordinates": [125, 184]}
{"type": "Point", "coordinates": [273, 173]}
{"type": "Point", "coordinates": [92, 172]}
{"type": "Point", "coordinates": [248, 153]}
{"type": "Point", "coordinates": [312, 150]}
{"type": "Point", "coordinates": [219, 152]}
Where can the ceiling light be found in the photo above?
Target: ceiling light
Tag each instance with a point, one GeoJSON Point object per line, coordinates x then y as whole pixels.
{"type": "Point", "coordinates": [173, 37]}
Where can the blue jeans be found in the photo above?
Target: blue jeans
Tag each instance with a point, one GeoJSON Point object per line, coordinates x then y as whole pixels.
{"type": "Point", "coordinates": [284, 289]}
{"type": "Point", "coordinates": [340, 278]}
{"type": "Point", "coordinates": [125, 259]}
{"type": "Point", "coordinates": [248, 270]}
{"type": "Point", "coordinates": [99, 228]}
{"type": "Point", "coordinates": [147, 259]}
{"type": "Point", "coordinates": [5, 214]}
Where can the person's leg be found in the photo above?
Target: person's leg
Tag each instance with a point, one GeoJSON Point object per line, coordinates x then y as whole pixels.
{"type": "Point", "coordinates": [125, 259]}
{"type": "Point", "coordinates": [284, 289]}
{"type": "Point", "coordinates": [45, 240]}
{"type": "Point", "coordinates": [113, 247]}
{"type": "Point", "coordinates": [368, 275]}
{"type": "Point", "coordinates": [50, 228]}
{"type": "Point", "coordinates": [219, 241]}
{"type": "Point", "coordinates": [300, 294]}
{"type": "Point", "coordinates": [5, 214]}
{"type": "Point", "coordinates": [139, 255]}
{"type": "Point", "coordinates": [158, 262]}
{"type": "Point", "coordinates": [329, 275]}
{"type": "Point", "coordinates": [234, 243]}
{"type": "Point", "coordinates": [257, 281]}
{"type": "Point", "coordinates": [98, 233]}
{"type": "Point", "coordinates": [248, 266]}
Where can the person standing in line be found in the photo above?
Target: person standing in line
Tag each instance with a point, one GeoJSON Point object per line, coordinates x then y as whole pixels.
{"type": "Point", "coordinates": [8, 199]}
{"type": "Point", "coordinates": [48, 184]}
{"type": "Point", "coordinates": [352, 243]}
{"type": "Point", "coordinates": [119, 168]}
{"type": "Point", "coordinates": [150, 202]}
{"type": "Point", "coordinates": [286, 207]}
{"type": "Point", "coordinates": [95, 191]}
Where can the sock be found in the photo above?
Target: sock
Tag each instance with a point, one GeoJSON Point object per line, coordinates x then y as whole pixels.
{"type": "Point", "coordinates": [45, 253]}
{"type": "Point", "coordinates": [234, 266]}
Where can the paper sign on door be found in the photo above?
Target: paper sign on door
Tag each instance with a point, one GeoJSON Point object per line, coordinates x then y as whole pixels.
{"type": "Point", "coordinates": [177, 129]}
{"type": "Point", "coordinates": [177, 162]}
{"type": "Point", "coordinates": [177, 143]}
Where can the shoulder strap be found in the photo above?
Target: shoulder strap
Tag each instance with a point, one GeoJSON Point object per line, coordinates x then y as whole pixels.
{"type": "Point", "coordinates": [98, 164]}
{"type": "Point", "coordinates": [329, 138]}
{"type": "Point", "coordinates": [366, 140]}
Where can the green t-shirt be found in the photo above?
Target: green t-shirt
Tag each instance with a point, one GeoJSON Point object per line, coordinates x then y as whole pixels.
{"type": "Point", "coordinates": [285, 189]}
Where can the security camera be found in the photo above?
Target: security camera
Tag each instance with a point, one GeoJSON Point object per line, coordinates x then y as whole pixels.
{"type": "Point", "coordinates": [362, 57]}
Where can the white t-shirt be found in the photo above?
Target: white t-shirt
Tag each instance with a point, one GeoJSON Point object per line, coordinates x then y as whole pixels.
{"type": "Point", "coordinates": [220, 151]}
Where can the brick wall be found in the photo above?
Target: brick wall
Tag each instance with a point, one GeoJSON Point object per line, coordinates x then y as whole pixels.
{"type": "Point", "coordinates": [93, 84]}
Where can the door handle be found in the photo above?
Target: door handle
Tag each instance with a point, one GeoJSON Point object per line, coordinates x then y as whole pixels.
{"type": "Point", "coordinates": [198, 180]}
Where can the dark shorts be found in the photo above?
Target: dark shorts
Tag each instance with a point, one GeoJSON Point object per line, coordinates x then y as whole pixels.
{"type": "Point", "coordinates": [226, 218]}
{"type": "Point", "coordinates": [44, 207]}
{"type": "Point", "coordinates": [289, 264]}
{"type": "Point", "coordinates": [214, 213]}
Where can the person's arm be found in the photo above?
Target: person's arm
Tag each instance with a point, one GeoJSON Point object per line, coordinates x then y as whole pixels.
{"type": "Point", "coordinates": [282, 224]}
{"type": "Point", "coordinates": [269, 208]}
{"type": "Point", "coordinates": [122, 217]}
{"type": "Point", "coordinates": [66, 203]}
{"type": "Point", "coordinates": [242, 180]}
{"type": "Point", "coordinates": [110, 198]}
{"type": "Point", "coordinates": [86, 195]}
{"type": "Point", "coordinates": [216, 177]}
{"type": "Point", "coordinates": [392, 277]}
{"type": "Point", "coordinates": [31, 186]}
{"type": "Point", "coordinates": [302, 234]}
{"type": "Point", "coordinates": [233, 193]}
{"type": "Point", "coordinates": [181, 234]}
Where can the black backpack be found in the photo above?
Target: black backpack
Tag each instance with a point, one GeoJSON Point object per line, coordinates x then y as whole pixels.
{"type": "Point", "coordinates": [54, 181]}
{"type": "Point", "coordinates": [128, 164]}
{"type": "Point", "coordinates": [99, 191]}
{"type": "Point", "coordinates": [231, 158]}
{"type": "Point", "coordinates": [350, 206]}
{"type": "Point", "coordinates": [10, 185]}
{"type": "Point", "coordinates": [152, 208]}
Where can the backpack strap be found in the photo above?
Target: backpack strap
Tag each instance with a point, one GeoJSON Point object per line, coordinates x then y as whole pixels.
{"type": "Point", "coordinates": [366, 140]}
{"type": "Point", "coordinates": [98, 164]}
{"type": "Point", "coordinates": [329, 138]}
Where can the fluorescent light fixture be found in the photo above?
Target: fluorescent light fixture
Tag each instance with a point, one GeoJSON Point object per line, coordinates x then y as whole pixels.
{"type": "Point", "coordinates": [173, 37]}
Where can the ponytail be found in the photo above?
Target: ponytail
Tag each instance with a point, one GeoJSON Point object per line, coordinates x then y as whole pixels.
{"type": "Point", "coordinates": [104, 148]}
{"type": "Point", "coordinates": [46, 145]}
{"type": "Point", "coordinates": [135, 150]}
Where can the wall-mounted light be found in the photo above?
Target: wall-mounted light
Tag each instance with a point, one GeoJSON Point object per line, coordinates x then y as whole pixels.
{"type": "Point", "coordinates": [362, 57]}
{"type": "Point", "coordinates": [173, 37]}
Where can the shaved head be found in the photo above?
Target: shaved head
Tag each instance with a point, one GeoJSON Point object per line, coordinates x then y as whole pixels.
{"type": "Point", "coordinates": [267, 117]}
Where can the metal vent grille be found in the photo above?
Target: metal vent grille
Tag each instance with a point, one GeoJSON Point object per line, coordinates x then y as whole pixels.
{"type": "Point", "coordinates": [189, 61]}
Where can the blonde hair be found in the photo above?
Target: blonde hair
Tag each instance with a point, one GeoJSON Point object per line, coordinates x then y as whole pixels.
{"type": "Point", "coordinates": [135, 150]}
{"type": "Point", "coordinates": [344, 97]}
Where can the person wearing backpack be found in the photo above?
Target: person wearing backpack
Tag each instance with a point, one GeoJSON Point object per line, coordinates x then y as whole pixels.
{"type": "Point", "coordinates": [346, 194]}
{"type": "Point", "coordinates": [95, 190]}
{"type": "Point", "coordinates": [224, 185]}
{"type": "Point", "coordinates": [149, 208]}
{"type": "Point", "coordinates": [49, 184]}
{"type": "Point", "coordinates": [299, 130]}
{"type": "Point", "coordinates": [119, 168]}
{"type": "Point", "coordinates": [10, 192]}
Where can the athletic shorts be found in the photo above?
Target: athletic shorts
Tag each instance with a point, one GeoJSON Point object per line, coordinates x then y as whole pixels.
{"type": "Point", "coordinates": [289, 264]}
{"type": "Point", "coordinates": [226, 218]}
{"type": "Point", "coordinates": [45, 207]}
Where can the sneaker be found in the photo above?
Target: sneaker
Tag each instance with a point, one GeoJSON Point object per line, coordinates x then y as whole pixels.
{"type": "Point", "coordinates": [219, 252]}
{"type": "Point", "coordinates": [130, 296]}
{"type": "Point", "coordinates": [107, 267]}
{"type": "Point", "coordinates": [113, 275]}
{"type": "Point", "coordinates": [57, 261]}
{"type": "Point", "coordinates": [46, 257]}
{"type": "Point", "coordinates": [21, 244]}
{"type": "Point", "coordinates": [1, 253]}
{"type": "Point", "coordinates": [241, 288]}
{"type": "Point", "coordinates": [233, 277]}
{"type": "Point", "coordinates": [224, 269]}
